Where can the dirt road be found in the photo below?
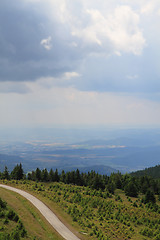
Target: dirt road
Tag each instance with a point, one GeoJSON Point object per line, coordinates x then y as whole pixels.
{"type": "Point", "coordinates": [46, 212]}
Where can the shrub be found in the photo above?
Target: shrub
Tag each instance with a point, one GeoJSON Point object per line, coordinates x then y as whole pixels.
{"type": "Point", "coordinates": [149, 197]}
{"type": "Point", "coordinates": [15, 235]}
{"type": "Point", "coordinates": [131, 190]}
{"type": "Point", "coordinates": [147, 232]}
{"type": "Point", "coordinates": [2, 204]}
{"type": "Point", "coordinates": [157, 237]}
{"type": "Point", "coordinates": [135, 204]}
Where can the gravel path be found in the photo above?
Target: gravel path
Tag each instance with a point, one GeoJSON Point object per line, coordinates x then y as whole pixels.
{"type": "Point", "coordinates": [46, 212]}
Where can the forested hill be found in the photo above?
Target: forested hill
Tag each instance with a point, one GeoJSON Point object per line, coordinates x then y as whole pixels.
{"type": "Point", "coordinates": [118, 206]}
{"type": "Point", "coordinates": [152, 171]}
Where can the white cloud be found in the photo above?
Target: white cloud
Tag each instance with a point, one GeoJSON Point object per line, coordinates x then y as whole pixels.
{"type": "Point", "coordinates": [69, 75]}
{"type": "Point", "coordinates": [46, 43]}
{"type": "Point", "coordinates": [119, 29]}
{"type": "Point", "coordinates": [150, 7]}
{"type": "Point", "coordinates": [108, 26]}
{"type": "Point", "coordinates": [62, 81]}
{"type": "Point", "coordinates": [124, 32]}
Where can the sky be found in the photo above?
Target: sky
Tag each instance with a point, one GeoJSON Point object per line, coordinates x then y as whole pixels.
{"type": "Point", "coordinates": [79, 62]}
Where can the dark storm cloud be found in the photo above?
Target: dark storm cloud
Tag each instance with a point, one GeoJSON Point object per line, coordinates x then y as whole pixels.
{"type": "Point", "coordinates": [22, 57]}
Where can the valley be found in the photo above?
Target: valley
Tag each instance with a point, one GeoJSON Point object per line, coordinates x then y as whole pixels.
{"type": "Point", "coordinates": [107, 152]}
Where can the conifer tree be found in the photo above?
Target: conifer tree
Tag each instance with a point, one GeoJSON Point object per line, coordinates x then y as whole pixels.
{"type": "Point", "coordinates": [6, 173]}
{"type": "Point", "coordinates": [17, 172]}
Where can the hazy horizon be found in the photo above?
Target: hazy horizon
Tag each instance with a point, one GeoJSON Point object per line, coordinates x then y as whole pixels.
{"type": "Point", "coordinates": [72, 134]}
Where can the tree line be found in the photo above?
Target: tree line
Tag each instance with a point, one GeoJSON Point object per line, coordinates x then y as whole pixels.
{"type": "Point", "coordinates": [130, 184]}
{"type": "Point", "coordinates": [151, 171]}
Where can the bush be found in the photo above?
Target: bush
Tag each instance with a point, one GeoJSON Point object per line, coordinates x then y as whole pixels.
{"type": "Point", "coordinates": [157, 237]}
{"type": "Point", "coordinates": [131, 190]}
{"type": "Point", "coordinates": [2, 204]}
{"type": "Point", "coordinates": [147, 232]}
{"type": "Point", "coordinates": [15, 235]}
{"type": "Point", "coordinates": [11, 214]}
{"type": "Point", "coordinates": [149, 197]}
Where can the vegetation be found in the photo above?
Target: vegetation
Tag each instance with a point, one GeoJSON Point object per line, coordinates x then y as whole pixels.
{"type": "Point", "coordinates": [152, 172]}
{"type": "Point", "coordinates": [35, 225]}
{"type": "Point", "coordinates": [102, 207]}
{"type": "Point", "coordinates": [11, 227]}
{"type": "Point", "coordinates": [130, 184]}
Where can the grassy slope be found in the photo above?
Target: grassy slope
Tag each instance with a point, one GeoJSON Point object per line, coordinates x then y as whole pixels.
{"type": "Point", "coordinates": [88, 211]}
{"type": "Point", "coordinates": [33, 221]}
{"type": "Point", "coordinates": [11, 226]}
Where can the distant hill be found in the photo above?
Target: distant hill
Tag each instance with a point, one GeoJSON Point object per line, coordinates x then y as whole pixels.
{"type": "Point", "coordinates": [140, 141]}
{"type": "Point", "coordinates": [100, 169]}
{"type": "Point", "coordinates": [152, 171]}
{"type": "Point", "coordinates": [139, 158]}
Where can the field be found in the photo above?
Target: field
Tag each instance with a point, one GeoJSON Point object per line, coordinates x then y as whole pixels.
{"type": "Point", "coordinates": [92, 213]}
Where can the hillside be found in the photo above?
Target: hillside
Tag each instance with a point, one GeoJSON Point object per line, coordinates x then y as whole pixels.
{"type": "Point", "coordinates": [97, 214]}
{"type": "Point", "coordinates": [152, 172]}
{"type": "Point", "coordinates": [11, 227]}
{"type": "Point", "coordinates": [119, 206]}
{"type": "Point", "coordinates": [20, 220]}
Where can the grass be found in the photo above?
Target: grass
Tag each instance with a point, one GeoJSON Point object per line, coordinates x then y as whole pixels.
{"type": "Point", "coordinates": [93, 214]}
{"type": "Point", "coordinates": [37, 227]}
{"type": "Point", "coordinates": [11, 226]}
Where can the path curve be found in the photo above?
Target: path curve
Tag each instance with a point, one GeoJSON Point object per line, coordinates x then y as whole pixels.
{"type": "Point", "coordinates": [46, 212]}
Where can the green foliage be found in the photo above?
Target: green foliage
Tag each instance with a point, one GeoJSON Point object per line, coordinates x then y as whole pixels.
{"type": "Point", "coordinates": [88, 199]}
{"type": "Point", "coordinates": [17, 172]}
{"type": "Point", "coordinates": [131, 185]}
{"type": "Point", "coordinates": [153, 172]}
{"type": "Point", "coordinates": [44, 175]}
{"type": "Point", "coordinates": [100, 214]}
{"type": "Point", "coordinates": [38, 174]}
{"type": "Point", "coordinates": [2, 204]}
{"type": "Point", "coordinates": [11, 226]}
{"type": "Point", "coordinates": [147, 232]}
{"type": "Point", "coordinates": [131, 189]}
{"type": "Point", "coordinates": [149, 197]}
{"type": "Point", "coordinates": [6, 173]}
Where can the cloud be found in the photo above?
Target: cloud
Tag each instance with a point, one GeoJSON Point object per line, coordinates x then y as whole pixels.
{"type": "Point", "coordinates": [70, 106]}
{"type": "Point", "coordinates": [14, 87]}
{"type": "Point", "coordinates": [65, 80]}
{"type": "Point", "coordinates": [125, 32]}
{"type": "Point", "coordinates": [46, 43]}
{"type": "Point", "coordinates": [76, 31]}
{"type": "Point", "coordinates": [93, 46]}
{"type": "Point", "coordinates": [69, 75]}
{"type": "Point", "coordinates": [22, 43]}
{"type": "Point", "coordinates": [120, 29]}
{"type": "Point", "coordinates": [150, 7]}
{"type": "Point", "coordinates": [132, 77]}
{"type": "Point", "coordinates": [79, 62]}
